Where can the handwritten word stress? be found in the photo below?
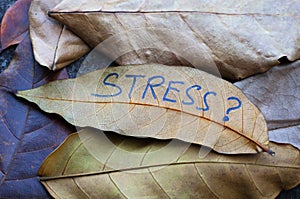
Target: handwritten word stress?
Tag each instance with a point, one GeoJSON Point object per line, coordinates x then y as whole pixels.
{"type": "Point", "coordinates": [159, 101]}
{"type": "Point", "coordinates": [149, 85]}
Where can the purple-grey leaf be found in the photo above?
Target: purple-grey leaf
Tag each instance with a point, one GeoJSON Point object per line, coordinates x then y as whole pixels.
{"type": "Point", "coordinates": [277, 94]}
{"type": "Point", "coordinates": [27, 135]}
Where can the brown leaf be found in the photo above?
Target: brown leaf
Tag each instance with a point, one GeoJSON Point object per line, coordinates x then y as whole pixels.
{"type": "Point", "coordinates": [240, 38]}
{"type": "Point", "coordinates": [90, 164]}
{"type": "Point", "coordinates": [54, 45]}
{"type": "Point", "coordinates": [15, 24]}
{"type": "Point", "coordinates": [161, 102]}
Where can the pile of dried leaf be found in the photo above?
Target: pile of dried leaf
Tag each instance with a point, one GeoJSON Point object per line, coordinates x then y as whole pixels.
{"type": "Point", "coordinates": [171, 131]}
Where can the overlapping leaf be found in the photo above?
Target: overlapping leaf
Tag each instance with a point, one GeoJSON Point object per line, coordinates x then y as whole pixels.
{"type": "Point", "coordinates": [242, 38]}
{"type": "Point", "coordinates": [15, 24]}
{"type": "Point", "coordinates": [54, 45]}
{"type": "Point", "coordinates": [277, 95]}
{"type": "Point", "coordinates": [161, 102]}
{"type": "Point", "coordinates": [89, 164]}
{"type": "Point", "coordinates": [27, 135]}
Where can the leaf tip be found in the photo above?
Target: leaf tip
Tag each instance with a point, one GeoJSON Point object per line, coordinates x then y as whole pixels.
{"type": "Point", "coordinates": [18, 93]}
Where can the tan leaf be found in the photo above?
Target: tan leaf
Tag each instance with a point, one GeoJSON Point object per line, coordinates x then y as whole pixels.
{"type": "Point", "coordinates": [241, 38]}
{"type": "Point", "coordinates": [90, 164]}
{"type": "Point", "coordinates": [161, 102]}
{"type": "Point", "coordinates": [54, 45]}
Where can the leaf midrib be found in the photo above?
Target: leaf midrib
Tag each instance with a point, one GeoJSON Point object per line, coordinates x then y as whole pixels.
{"type": "Point", "coordinates": [151, 105]}
{"type": "Point", "coordinates": [161, 165]}
{"type": "Point", "coordinates": [164, 11]}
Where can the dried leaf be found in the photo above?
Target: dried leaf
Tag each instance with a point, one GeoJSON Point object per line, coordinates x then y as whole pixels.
{"type": "Point", "coordinates": [277, 94]}
{"type": "Point", "coordinates": [161, 102]}
{"type": "Point", "coordinates": [27, 134]}
{"type": "Point", "coordinates": [90, 164]}
{"type": "Point", "coordinates": [15, 25]}
{"type": "Point", "coordinates": [241, 38]}
{"type": "Point", "coordinates": [53, 44]}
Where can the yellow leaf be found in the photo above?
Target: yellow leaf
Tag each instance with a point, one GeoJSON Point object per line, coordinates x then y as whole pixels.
{"type": "Point", "coordinates": [91, 164]}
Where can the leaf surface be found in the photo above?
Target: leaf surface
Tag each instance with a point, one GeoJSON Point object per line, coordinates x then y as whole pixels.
{"type": "Point", "coordinates": [54, 45]}
{"type": "Point", "coordinates": [15, 24]}
{"type": "Point", "coordinates": [161, 102]}
{"type": "Point", "coordinates": [277, 93]}
{"type": "Point", "coordinates": [89, 164]}
{"type": "Point", "coordinates": [27, 134]}
{"type": "Point", "coordinates": [242, 38]}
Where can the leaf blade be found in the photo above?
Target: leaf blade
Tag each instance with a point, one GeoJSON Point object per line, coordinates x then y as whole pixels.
{"type": "Point", "coordinates": [196, 174]}
{"type": "Point", "coordinates": [25, 137]}
{"type": "Point", "coordinates": [139, 112]}
{"type": "Point", "coordinates": [15, 25]}
{"type": "Point", "coordinates": [54, 45]}
{"type": "Point", "coordinates": [226, 32]}
{"type": "Point", "coordinates": [281, 112]}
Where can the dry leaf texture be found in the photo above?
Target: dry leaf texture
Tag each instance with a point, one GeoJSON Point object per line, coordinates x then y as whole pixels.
{"type": "Point", "coordinates": [277, 94]}
{"type": "Point", "coordinates": [159, 101]}
{"type": "Point", "coordinates": [54, 45]}
{"type": "Point", "coordinates": [15, 24]}
{"type": "Point", "coordinates": [88, 165]}
{"type": "Point", "coordinates": [27, 135]}
{"type": "Point", "coordinates": [239, 38]}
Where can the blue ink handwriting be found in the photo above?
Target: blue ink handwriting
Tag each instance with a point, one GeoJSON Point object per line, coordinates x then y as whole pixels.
{"type": "Point", "coordinates": [110, 84]}
{"type": "Point", "coordinates": [226, 118]}
{"type": "Point", "coordinates": [172, 86]}
{"type": "Point", "coordinates": [206, 108]}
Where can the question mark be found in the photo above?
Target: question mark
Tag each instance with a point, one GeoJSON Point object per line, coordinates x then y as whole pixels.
{"type": "Point", "coordinates": [226, 118]}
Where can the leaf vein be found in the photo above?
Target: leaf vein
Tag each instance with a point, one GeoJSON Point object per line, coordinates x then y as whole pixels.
{"type": "Point", "coordinates": [151, 174]}
{"type": "Point", "coordinates": [204, 182]}
{"type": "Point", "coordinates": [116, 186]}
